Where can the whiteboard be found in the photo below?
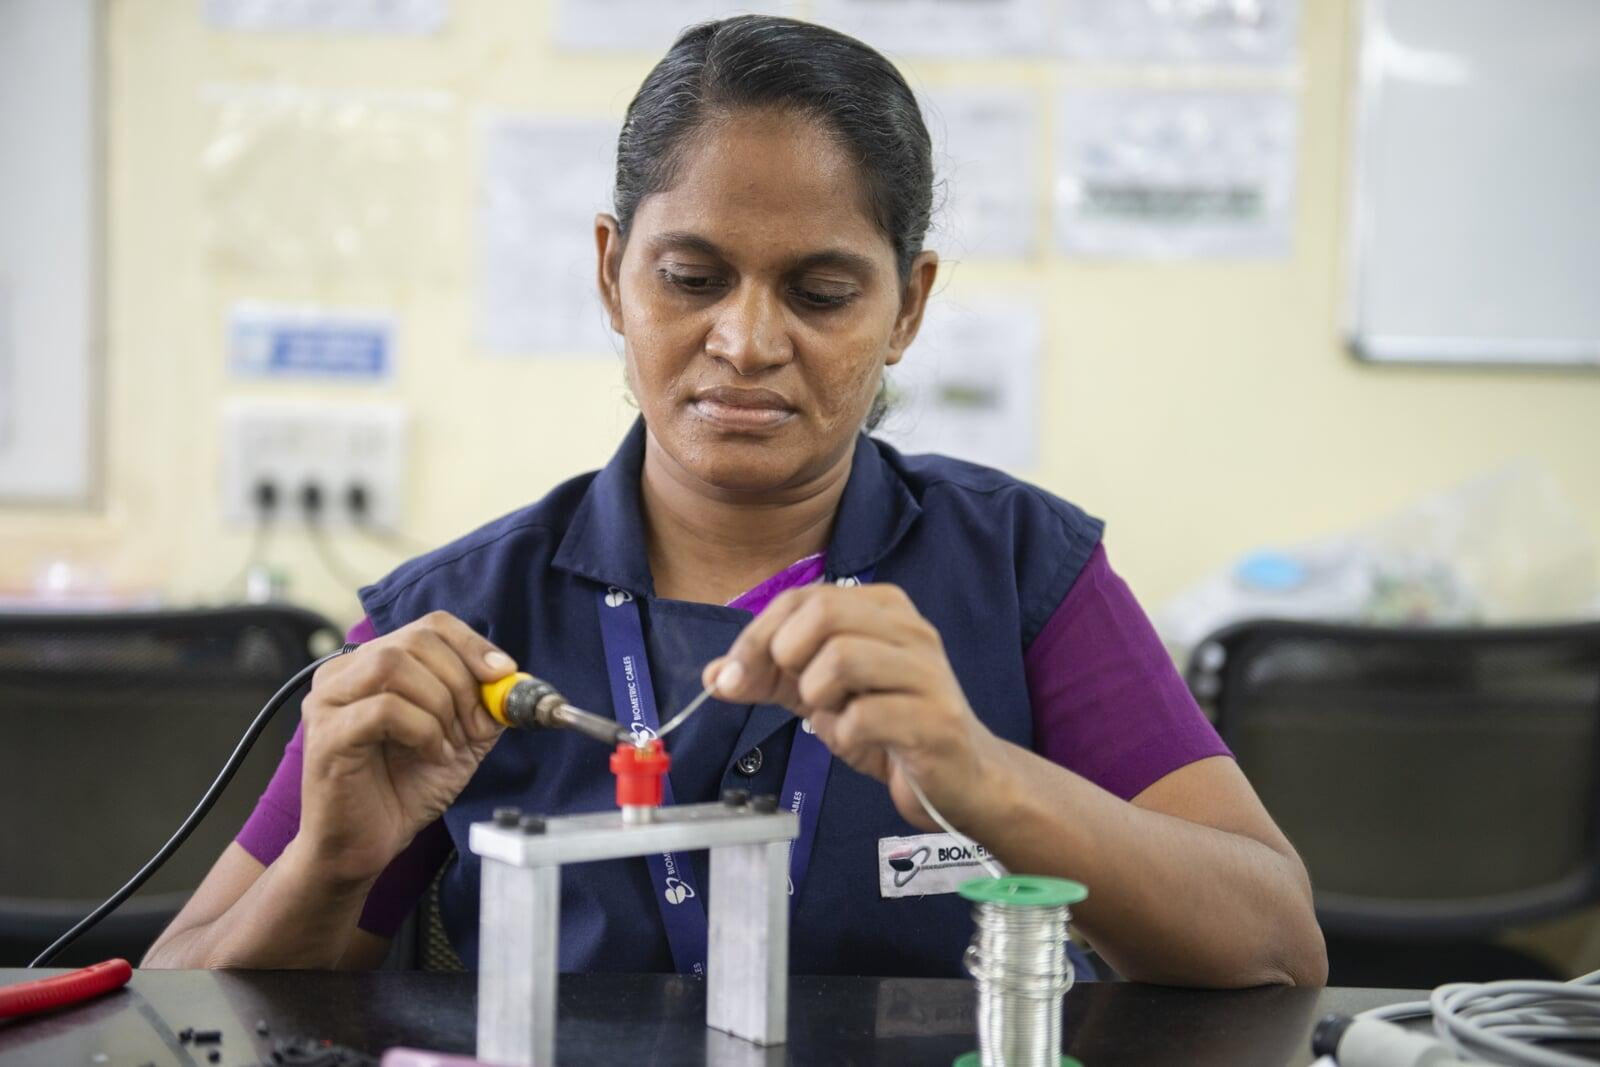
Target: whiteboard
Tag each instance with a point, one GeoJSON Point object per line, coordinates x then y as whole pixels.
{"type": "Point", "coordinates": [1477, 188]}
{"type": "Point", "coordinates": [49, 225]}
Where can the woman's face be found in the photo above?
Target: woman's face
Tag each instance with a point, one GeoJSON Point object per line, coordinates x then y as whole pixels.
{"type": "Point", "coordinates": [758, 303]}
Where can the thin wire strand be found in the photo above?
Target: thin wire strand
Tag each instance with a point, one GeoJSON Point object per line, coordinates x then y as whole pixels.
{"type": "Point", "coordinates": [989, 865]}
{"type": "Point", "coordinates": [677, 720]}
{"type": "Point", "coordinates": [993, 869]}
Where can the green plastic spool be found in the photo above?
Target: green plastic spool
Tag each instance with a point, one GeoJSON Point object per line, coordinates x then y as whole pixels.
{"type": "Point", "coordinates": [1021, 891]}
{"type": "Point", "coordinates": [1024, 891]}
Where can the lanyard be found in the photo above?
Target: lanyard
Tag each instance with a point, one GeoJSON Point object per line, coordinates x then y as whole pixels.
{"type": "Point", "coordinates": [633, 698]}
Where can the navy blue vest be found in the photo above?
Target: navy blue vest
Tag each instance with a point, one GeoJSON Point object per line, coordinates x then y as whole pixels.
{"type": "Point", "coordinates": [986, 559]}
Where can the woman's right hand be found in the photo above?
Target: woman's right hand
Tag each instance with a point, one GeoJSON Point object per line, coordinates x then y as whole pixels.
{"type": "Point", "coordinates": [393, 733]}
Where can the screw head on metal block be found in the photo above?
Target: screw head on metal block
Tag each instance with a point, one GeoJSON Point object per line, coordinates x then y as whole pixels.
{"type": "Point", "coordinates": [736, 798]}
{"type": "Point", "coordinates": [531, 824]}
{"type": "Point", "coordinates": [507, 817]}
{"type": "Point", "coordinates": [765, 803]}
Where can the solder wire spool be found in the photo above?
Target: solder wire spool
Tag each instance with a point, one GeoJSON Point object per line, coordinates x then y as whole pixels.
{"type": "Point", "coordinates": [1018, 957]}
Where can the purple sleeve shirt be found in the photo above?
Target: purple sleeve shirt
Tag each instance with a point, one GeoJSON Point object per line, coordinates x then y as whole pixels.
{"type": "Point", "coordinates": [1108, 704]}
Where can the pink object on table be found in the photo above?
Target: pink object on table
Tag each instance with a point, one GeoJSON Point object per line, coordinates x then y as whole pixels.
{"type": "Point", "coordinates": [416, 1057]}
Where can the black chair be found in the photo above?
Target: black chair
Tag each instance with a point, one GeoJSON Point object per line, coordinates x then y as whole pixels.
{"type": "Point", "coordinates": [111, 727]}
{"type": "Point", "coordinates": [1442, 785]}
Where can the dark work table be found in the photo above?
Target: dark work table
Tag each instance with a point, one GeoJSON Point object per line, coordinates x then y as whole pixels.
{"type": "Point", "coordinates": [660, 1019]}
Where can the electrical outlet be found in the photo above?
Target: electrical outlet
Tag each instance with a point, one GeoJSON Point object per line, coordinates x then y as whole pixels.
{"type": "Point", "coordinates": [334, 453]}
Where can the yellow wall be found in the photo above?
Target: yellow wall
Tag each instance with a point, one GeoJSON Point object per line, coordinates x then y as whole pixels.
{"type": "Point", "coordinates": [1202, 409]}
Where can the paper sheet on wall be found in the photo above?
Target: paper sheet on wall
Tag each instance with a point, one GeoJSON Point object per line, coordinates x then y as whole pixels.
{"type": "Point", "coordinates": [970, 28]}
{"type": "Point", "coordinates": [986, 150]}
{"type": "Point", "coordinates": [647, 25]}
{"type": "Point", "coordinates": [304, 183]}
{"type": "Point", "coordinates": [1168, 173]}
{"type": "Point", "coordinates": [336, 16]}
{"type": "Point", "coordinates": [543, 182]}
{"type": "Point", "coordinates": [1252, 32]}
{"type": "Point", "coordinates": [969, 387]}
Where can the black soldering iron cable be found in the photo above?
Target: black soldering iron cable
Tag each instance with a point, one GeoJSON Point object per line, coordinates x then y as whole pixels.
{"type": "Point", "coordinates": [229, 768]}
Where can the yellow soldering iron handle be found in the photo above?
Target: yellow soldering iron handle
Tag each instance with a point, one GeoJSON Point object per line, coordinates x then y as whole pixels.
{"type": "Point", "coordinates": [494, 694]}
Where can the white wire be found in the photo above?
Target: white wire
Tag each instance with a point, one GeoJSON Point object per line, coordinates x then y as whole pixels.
{"type": "Point", "coordinates": [993, 869]}
{"type": "Point", "coordinates": [1497, 1022]}
{"type": "Point", "coordinates": [989, 865]}
{"type": "Point", "coordinates": [677, 720]}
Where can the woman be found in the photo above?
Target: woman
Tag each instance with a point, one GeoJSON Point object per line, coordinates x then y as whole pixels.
{"type": "Point", "coordinates": [765, 264]}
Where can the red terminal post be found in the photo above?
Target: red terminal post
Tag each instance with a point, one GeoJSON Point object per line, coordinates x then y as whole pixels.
{"type": "Point", "coordinates": [640, 770]}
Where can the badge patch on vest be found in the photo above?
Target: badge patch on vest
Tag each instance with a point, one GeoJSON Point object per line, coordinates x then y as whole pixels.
{"type": "Point", "coordinates": [926, 864]}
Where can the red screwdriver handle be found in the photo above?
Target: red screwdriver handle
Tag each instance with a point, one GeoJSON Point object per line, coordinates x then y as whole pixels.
{"type": "Point", "coordinates": [48, 994]}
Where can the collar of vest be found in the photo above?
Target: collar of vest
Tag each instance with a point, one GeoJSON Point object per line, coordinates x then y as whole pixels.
{"type": "Point", "coordinates": [605, 541]}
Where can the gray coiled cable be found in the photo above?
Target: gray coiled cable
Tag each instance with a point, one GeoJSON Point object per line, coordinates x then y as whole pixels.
{"type": "Point", "coordinates": [1502, 1022]}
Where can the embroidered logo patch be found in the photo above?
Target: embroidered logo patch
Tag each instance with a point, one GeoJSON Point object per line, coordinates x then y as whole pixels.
{"type": "Point", "coordinates": [926, 864]}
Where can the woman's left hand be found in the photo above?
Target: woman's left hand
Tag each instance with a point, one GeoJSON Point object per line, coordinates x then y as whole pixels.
{"type": "Point", "coordinates": [870, 676]}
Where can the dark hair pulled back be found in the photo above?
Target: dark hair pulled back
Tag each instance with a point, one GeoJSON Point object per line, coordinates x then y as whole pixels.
{"type": "Point", "coordinates": [760, 61]}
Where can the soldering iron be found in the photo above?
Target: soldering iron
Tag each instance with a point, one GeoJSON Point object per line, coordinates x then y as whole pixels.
{"type": "Point", "coordinates": [521, 701]}
{"type": "Point", "coordinates": [640, 764]}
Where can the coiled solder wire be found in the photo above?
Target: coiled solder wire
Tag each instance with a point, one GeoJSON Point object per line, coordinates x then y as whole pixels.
{"type": "Point", "coordinates": [1018, 959]}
